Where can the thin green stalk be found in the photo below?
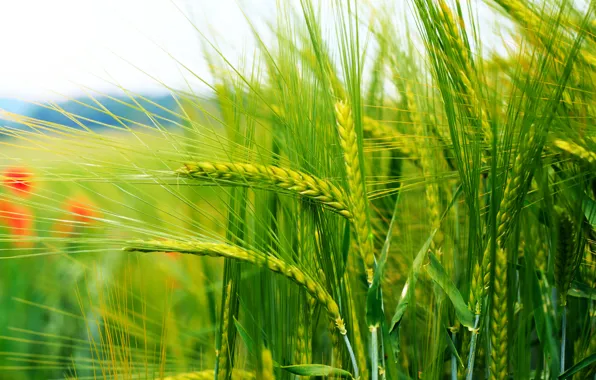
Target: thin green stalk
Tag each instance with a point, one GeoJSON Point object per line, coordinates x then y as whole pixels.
{"type": "Point", "coordinates": [453, 358]}
{"type": "Point", "coordinates": [563, 336]}
{"type": "Point", "coordinates": [384, 365]}
{"type": "Point", "coordinates": [472, 353]}
{"type": "Point", "coordinates": [374, 354]}
{"type": "Point", "coordinates": [352, 356]}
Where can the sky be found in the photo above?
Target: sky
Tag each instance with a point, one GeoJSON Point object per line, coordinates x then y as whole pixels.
{"type": "Point", "coordinates": [63, 48]}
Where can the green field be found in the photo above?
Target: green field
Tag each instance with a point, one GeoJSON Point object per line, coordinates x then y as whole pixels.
{"type": "Point", "coordinates": [350, 202]}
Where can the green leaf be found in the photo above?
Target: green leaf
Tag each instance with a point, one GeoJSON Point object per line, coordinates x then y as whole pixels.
{"type": "Point", "coordinates": [391, 346]}
{"type": "Point", "coordinates": [374, 298]}
{"type": "Point", "coordinates": [438, 274]}
{"type": "Point", "coordinates": [545, 329]}
{"type": "Point", "coordinates": [589, 207]}
{"type": "Point", "coordinates": [345, 248]}
{"type": "Point", "coordinates": [581, 290]}
{"type": "Point", "coordinates": [408, 289]}
{"type": "Point", "coordinates": [394, 342]}
{"type": "Point", "coordinates": [248, 342]}
{"type": "Point", "coordinates": [582, 364]}
{"type": "Point", "coordinates": [316, 370]}
{"type": "Point", "coordinates": [453, 350]}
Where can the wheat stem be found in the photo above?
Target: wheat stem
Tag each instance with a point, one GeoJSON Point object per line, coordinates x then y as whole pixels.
{"type": "Point", "coordinates": [358, 343]}
{"type": "Point", "coordinates": [374, 354]}
{"type": "Point", "coordinates": [453, 358]}
{"type": "Point", "coordinates": [563, 336]}
{"type": "Point", "coordinates": [427, 162]}
{"type": "Point", "coordinates": [472, 352]}
{"type": "Point", "coordinates": [352, 356]}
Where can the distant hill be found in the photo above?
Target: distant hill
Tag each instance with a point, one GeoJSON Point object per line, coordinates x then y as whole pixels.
{"type": "Point", "coordinates": [110, 112]}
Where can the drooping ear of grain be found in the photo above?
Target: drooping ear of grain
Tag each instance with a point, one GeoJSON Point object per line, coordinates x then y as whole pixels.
{"type": "Point", "coordinates": [577, 151]}
{"type": "Point", "coordinates": [262, 176]}
{"type": "Point", "coordinates": [232, 252]}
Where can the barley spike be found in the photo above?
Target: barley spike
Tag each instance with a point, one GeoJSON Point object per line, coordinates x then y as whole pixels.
{"type": "Point", "coordinates": [499, 318]}
{"type": "Point", "coordinates": [566, 257]}
{"type": "Point", "coordinates": [358, 200]}
{"type": "Point", "coordinates": [305, 185]}
{"type": "Point", "coordinates": [232, 252]}
{"type": "Point", "coordinates": [578, 151]}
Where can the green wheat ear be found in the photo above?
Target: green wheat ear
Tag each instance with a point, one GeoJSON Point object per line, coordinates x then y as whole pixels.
{"type": "Point", "coordinates": [302, 184]}
{"type": "Point", "coordinates": [567, 256]}
{"type": "Point", "coordinates": [579, 152]}
{"type": "Point", "coordinates": [232, 252]}
{"type": "Point", "coordinates": [358, 200]}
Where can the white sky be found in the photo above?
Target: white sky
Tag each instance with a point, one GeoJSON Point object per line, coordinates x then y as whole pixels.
{"type": "Point", "coordinates": [61, 46]}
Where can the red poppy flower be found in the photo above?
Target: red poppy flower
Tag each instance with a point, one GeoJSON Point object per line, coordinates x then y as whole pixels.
{"type": "Point", "coordinates": [82, 210]}
{"type": "Point", "coordinates": [19, 219]}
{"type": "Point", "coordinates": [18, 180]}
